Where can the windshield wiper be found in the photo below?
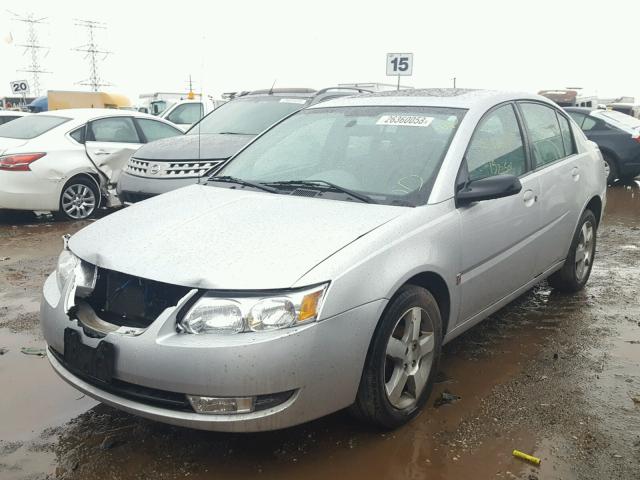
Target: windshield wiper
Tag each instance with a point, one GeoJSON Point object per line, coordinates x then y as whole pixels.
{"type": "Point", "coordinates": [240, 181]}
{"type": "Point", "coordinates": [332, 186]}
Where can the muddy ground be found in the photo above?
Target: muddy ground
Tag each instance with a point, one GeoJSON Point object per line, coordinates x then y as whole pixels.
{"type": "Point", "coordinates": [552, 375]}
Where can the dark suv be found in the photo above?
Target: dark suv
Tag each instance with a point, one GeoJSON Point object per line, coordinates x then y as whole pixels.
{"type": "Point", "coordinates": [168, 164]}
{"type": "Point", "coordinates": [617, 135]}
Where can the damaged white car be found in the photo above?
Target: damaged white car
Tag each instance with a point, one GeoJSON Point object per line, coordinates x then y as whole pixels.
{"type": "Point", "coordinates": [67, 161]}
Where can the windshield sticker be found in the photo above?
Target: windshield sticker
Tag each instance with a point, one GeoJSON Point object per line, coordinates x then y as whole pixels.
{"type": "Point", "coordinates": [405, 120]}
{"type": "Point", "coordinates": [300, 101]}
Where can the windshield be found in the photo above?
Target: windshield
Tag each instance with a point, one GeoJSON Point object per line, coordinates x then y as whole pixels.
{"type": "Point", "coordinates": [389, 154]}
{"type": "Point", "coordinates": [247, 116]}
{"type": "Point", "coordinates": [30, 126]}
{"type": "Point", "coordinates": [619, 118]}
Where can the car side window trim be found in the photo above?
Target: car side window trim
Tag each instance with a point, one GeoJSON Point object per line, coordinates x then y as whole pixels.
{"type": "Point", "coordinates": [82, 130]}
{"type": "Point", "coordinates": [572, 139]}
{"type": "Point", "coordinates": [463, 171]}
{"type": "Point", "coordinates": [143, 138]}
{"type": "Point", "coordinates": [534, 167]}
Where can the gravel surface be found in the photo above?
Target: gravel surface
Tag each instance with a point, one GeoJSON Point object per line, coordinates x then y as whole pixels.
{"type": "Point", "coordinates": [551, 375]}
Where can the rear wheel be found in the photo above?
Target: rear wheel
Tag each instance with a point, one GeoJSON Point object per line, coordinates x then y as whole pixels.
{"type": "Point", "coordinates": [79, 199]}
{"type": "Point", "coordinates": [402, 360]}
{"type": "Point", "coordinates": [575, 272]}
{"type": "Point", "coordinates": [610, 168]}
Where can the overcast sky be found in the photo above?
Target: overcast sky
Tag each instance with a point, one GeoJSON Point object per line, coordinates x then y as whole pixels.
{"type": "Point", "coordinates": [242, 45]}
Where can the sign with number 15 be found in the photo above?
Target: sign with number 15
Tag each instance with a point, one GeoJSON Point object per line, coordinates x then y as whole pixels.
{"type": "Point", "coordinates": [399, 64]}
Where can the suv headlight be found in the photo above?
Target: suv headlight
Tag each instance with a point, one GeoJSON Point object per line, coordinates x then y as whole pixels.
{"type": "Point", "coordinates": [249, 312]}
{"type": "Point", "coordinates": [67, 263]}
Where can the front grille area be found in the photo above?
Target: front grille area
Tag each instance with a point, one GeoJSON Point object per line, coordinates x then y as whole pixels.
{"type": "Point", "coordinates": [160, 398]}
{"type": "Point", "coordinates": [137, 167]}
{"type": "Point", "coordinates": [138, 393]}
{"type": "Point", "coordinates": [170, 168]}
{"type": "Point", "coordinates": [129, 301]}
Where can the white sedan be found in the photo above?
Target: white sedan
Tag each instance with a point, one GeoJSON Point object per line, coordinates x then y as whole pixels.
{"type": "Point", "coordinates": [66, 161]}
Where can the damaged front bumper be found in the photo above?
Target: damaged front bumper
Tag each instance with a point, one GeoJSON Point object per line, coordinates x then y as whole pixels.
{"type": "Point", "coordinates": [310, 370]}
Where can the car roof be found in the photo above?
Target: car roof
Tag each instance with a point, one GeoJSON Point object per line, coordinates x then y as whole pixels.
{"type": "Point", "coordinates": [303, 92]}
{"type": "Point", "coordinates": [84, 114]}
{"type": "Point", "coordinates": [433, 97]}
{"type": "Point", "coordinates": [585, 110]}
{"type": "Point", "coordinates": [13, 112]}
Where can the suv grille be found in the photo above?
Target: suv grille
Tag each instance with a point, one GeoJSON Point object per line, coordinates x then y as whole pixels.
{"type": "Point", "coordinates": [170, 168]}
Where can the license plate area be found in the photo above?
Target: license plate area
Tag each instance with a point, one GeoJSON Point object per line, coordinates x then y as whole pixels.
{"type": "Point", "coordinates": [97, 363]}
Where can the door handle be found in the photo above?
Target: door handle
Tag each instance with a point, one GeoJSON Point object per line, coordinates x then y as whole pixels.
{"type": "Point", "coordinates": [575, 173]}
{"type": "Point", "coordinates": [529, 198]}
{"type": "Point", "coordinates": [102, 152]}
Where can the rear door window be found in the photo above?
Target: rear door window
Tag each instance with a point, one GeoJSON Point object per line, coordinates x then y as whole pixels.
{"type": "Point", "coordinates": [567, 136]}
{"type": "Point", "coordinates": [496, 147]}
{"type": "Point", "coordinates": [544, 133]}
{"type": "Point", "coordinates": [155, 130]}
{"type": "Point", "coordinates": [592, 124]}
{"type": "Point", "coordinates": [78, 134]}
{"type": "Point", "coordinates": [577, 117]}
{"type": "Point", "coordinates": [114, 129]}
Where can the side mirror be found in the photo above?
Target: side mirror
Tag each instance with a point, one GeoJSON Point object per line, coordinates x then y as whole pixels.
{"type": "Point", "coordinates": [488, 189]}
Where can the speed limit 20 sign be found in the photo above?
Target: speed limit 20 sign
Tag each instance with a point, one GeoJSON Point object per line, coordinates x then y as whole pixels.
{"type": "Point", "coordinates": [20, 87]}
{"type": "Point", "coordinates": [399, 64]}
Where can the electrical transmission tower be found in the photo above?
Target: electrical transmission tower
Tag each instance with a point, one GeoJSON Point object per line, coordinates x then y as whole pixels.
{"type": "Point", "coordinates": [93, 54]}
{"type": "Point", "coordinates": [33, 48]}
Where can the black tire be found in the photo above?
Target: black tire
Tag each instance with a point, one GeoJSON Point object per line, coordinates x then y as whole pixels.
{"type": "Point", "coordinates": [81, 188]}
{"type": "Point", "coordinates": [613, 168]}
{"type": "Point", "coordinates": [569, 278]}
{"type": "Point", "coordinates": [372, 403]}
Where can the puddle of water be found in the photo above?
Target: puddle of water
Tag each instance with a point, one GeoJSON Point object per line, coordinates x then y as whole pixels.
{"type": "Point", "coordinates": [36, 397]}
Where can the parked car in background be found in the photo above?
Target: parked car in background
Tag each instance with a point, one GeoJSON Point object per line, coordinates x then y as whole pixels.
{"type": "Point", "coordinates": [67, 161]}
{"type": "Point", "coordinates": [571, 98]}
{"type": "Point", "coordinates": [7, 116]}
{"type": "Point", "coordinates": [325, 265]}
{"type": "Point", "coordinates": [169, 164]}
{"type": "Point", "coordinates": [185, 113]}
{"type": "Point", "coordinates": [632, 109]}
{"type": "Point", "coordinates": [157, 102]}
{"type": "Point", "coordinates": [617, 135]}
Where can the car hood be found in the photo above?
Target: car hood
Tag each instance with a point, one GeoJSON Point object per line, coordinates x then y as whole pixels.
{"type": "Point", "coordinates": [220, 238]}
{"type": "Point", "coordinates": [191, 147]}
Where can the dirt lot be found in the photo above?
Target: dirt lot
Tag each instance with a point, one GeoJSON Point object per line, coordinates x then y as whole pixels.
{"type": "Point", "coordinates": [552, 375]}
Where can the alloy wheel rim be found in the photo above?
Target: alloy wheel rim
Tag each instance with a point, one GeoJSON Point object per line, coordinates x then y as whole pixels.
{"type": "Point", "coordinates": [607, 168]}
{"type": "Point", "coordinates": [78, 201]}
{"type": "Point", "coordinates": [584, 251]}
{"type": "Point", "coordinates": [408, 358]}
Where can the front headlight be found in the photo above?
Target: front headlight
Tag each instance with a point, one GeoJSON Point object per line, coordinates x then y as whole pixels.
{"type": "Point", "coordinates": [247, 312]}
{"type": "Point", "coordinates": [67, 262]}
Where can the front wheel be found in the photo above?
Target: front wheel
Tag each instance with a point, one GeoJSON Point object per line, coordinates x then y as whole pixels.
{"type": "Point", "coordinates": [402, 360]}
{"type": "Point", "coordinates": [575, 272]}
{"type": "Point", "coordinates": [79, 199]}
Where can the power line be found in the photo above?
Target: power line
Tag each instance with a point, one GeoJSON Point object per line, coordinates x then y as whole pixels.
{"type": "Point", "coordinates": [32, 47]}
{"type": "Point", "coordinates": [93, 53]}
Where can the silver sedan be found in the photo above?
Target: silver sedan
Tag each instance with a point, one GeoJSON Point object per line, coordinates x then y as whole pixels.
{"type": "Point", "coordinates": [325, 265]}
